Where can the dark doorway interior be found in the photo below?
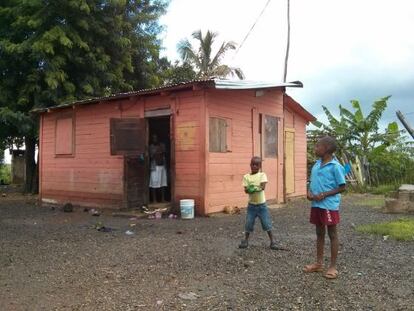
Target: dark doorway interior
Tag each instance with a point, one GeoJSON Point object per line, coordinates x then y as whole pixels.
{"type": "Point", "coordinates": [160, 126]}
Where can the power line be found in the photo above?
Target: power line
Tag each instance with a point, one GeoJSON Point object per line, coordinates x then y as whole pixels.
{"type": "Point", "coordinates": [251, 29]}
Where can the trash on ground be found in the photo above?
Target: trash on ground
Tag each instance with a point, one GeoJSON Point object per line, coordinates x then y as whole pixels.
{"type": "Point", "coordinates": [172, 216]}
{"type": "Point", "coordinates": [129, 232]}
{"type": "Point", "coordinates": [232, 210]}
{"type": "Point", "coordinates": [158, 210]}
{"type": "Point", "coordinates": [68, 208]}
{"type": "Point", "coordinates": [105, 229]}
{"type": "Point", "coordinates": [94, 212]}
{"type": "Point", "coordinates": [132, 225]}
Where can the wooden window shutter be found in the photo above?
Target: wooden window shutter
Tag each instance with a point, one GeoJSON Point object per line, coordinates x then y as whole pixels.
{"type": "Point", "coordinates": [128, 136]}
{"type": "Point", "coordinates": [64, 142]}
{"type": "Point", "coordinates": [217, 135]}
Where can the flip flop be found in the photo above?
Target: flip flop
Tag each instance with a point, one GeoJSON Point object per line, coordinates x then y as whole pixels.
{"type": "Point", "coordinates": [313, 268]}
{"type": "Point", "coordinates": [275, 247]}
{"type": "Point", "coordinates": [331, 275]}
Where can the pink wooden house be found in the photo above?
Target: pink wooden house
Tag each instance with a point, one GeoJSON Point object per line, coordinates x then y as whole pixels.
{"type": "Point", "coordinates": [95, 152]}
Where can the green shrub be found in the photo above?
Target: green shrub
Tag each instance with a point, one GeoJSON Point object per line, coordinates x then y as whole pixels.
{"type": "Point", "coordinates": [5, 174]}
{"type": "Point", "coordinates": [384, 189]}
{"type": "Point", "coordinates": [400, 229]}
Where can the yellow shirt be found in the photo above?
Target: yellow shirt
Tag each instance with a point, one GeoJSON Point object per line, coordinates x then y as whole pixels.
{"type": "Point", "coordinates": [256, 180]}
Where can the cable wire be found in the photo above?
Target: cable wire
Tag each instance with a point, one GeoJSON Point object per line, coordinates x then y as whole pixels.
{"type": "Point", "coordinates": [251, 29]}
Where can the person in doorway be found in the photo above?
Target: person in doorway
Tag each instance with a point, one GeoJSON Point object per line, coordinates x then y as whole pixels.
{"type": "Point", "coordinates": [327, 181]}
{"type": "Point", "coordinates": [254, 185]}
{"type": "Point", "coordinates": [158, 176]}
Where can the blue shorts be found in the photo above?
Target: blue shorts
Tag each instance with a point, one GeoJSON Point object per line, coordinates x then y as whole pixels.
{"type": "Point", "coordinates": [261, 211]}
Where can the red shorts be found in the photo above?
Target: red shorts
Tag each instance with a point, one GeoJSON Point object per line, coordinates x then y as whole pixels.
{"type": "Point", "coordinates": [323, 217]}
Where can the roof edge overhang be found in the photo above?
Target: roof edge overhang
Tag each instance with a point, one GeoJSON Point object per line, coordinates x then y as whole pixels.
{"type": "Point", "coordinates": [298, 108]}
{"type": "Point", "coordinates": [192, 85]}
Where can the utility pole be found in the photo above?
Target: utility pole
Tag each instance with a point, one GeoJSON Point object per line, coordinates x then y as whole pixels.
{"type": "Point", "coordinates": [407, 126]}
{"type": "Point", "coordinates": [288, 41]}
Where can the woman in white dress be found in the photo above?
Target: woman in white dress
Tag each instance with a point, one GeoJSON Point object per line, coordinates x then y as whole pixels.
{"type": "Point", "coordinates": [158, 176]}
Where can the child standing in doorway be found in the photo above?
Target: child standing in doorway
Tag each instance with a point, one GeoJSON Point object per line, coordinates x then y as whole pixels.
{"type": "Point", "coordinates": [254, 185]}
{"type": "Point", "coordinates": [327, 181]}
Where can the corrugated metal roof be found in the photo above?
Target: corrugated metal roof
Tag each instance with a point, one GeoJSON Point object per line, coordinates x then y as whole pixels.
{"type": "Point", "coordinates": [212, 83]}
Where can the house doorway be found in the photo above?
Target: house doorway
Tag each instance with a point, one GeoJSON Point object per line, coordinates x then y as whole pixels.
{"type": "Point", "coordinates": [159, 151]}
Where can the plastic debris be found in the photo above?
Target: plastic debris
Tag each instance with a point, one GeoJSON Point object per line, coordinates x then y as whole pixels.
{"type": "Point", "coordinates": [68, 208]}
{"type": "Point", "coordinates": [158, 215]}
{"type": "Point", "coordinates": [385, 237]}
{"type": "Point", "coordinates": [129, 232]}
{"type": "Point", "coordinates": [94, 212]}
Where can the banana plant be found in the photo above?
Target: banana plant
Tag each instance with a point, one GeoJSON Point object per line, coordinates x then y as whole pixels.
{"type": "Point", "coordinates": [359, 136]}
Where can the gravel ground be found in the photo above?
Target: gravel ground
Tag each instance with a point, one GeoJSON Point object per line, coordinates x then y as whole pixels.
{"type": "Point", "coordinates": [51, 260]}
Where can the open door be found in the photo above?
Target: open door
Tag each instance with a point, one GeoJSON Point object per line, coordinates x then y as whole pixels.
{"type": "Point", "coordinates": [129, 138]}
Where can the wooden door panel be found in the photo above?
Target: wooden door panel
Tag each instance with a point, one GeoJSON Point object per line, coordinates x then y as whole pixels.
{"type": "Point", "coordinates": [290, 161]}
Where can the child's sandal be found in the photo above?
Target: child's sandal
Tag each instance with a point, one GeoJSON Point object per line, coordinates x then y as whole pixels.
{"type": "Point", "coordinates": [313, 268]}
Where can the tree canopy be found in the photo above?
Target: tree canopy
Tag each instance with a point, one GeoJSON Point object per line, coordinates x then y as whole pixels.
{"type": "Point", "coordinates": [55, 51]}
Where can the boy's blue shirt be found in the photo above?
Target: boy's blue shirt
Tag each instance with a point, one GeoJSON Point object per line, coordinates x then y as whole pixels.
{"type": "Point", "coordinates": [325, 178]}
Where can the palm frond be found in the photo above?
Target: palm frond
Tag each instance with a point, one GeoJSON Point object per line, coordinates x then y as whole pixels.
{"type": "Point", "coordinates": [225, 46]}
{"type": "Point", "coordinates": [187, 53]}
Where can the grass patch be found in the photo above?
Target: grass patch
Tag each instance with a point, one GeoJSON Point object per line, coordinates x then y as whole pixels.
{"type": "Point", "coordinates": [383, 189]}
{"type": "Point", "coordinates": [5, 174]}
{"type": "Point", "coordinates": [372, 201]}
{"type": "Point", "coordinates": [401, 229]}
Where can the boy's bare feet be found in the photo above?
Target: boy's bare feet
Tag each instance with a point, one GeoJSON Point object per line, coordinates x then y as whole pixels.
{"type": "Point", "coordinates": [315, 267]}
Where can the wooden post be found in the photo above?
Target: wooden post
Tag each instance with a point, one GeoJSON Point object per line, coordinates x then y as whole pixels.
{"type": "Point", "coordinates": [407, 126]}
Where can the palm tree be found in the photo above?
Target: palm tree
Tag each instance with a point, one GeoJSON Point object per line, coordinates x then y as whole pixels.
{"type": "Point", "coordinates": [202, 59]}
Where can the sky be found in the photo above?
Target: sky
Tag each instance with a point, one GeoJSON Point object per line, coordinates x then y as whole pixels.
{"type": "Point", "coordinates": [340, 50]}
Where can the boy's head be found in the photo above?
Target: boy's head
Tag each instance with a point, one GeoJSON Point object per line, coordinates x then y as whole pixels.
{"type": "Point", "coordinates": [325, 145]}
{"type": "Point", "coordinates": [255, 164]}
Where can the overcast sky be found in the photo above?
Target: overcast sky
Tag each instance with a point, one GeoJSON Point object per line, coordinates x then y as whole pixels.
{"type": "Point", "coordinates": [340, 50]}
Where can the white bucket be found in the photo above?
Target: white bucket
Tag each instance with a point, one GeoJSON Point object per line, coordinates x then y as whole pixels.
{"type": "Point", "coordinates": [187, 209]}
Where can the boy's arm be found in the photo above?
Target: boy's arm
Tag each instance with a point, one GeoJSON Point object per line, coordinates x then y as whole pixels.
{"type": "Point", "coordinates": [323, 195]}
{"type": "Point", "coordinates": [262, 186]}
{"type": "Point", "coordinates": [309, 196]}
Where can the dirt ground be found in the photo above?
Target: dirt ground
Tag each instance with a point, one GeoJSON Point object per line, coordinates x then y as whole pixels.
{"type": "Point", "coordinates": [51, 260]}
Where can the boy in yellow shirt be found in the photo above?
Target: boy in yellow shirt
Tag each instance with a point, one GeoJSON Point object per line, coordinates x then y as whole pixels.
{"type": "Point", "coordinates": [254, 184]}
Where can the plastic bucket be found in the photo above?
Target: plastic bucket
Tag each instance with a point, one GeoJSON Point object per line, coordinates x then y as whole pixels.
{"type": "Point", "coordinates": [187, 209]}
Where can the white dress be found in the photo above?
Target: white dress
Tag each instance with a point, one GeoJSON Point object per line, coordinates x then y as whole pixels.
{"type": "Point", "coordinates": [158, 176]}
